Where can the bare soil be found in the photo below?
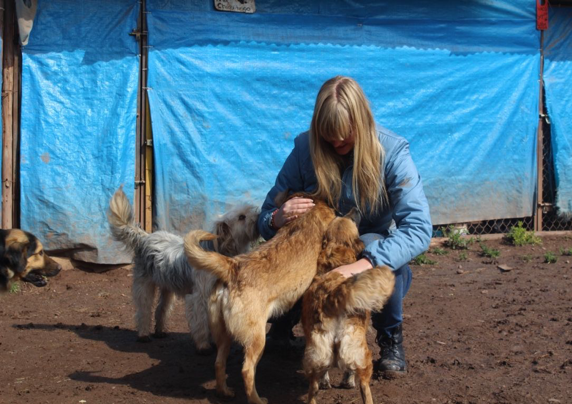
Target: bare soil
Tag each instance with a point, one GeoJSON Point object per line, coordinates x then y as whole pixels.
{"type": "Point", "coordinates": [474, 333]}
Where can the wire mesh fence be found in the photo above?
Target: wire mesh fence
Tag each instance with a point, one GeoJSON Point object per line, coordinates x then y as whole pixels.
{"type": "Point", "coordinates": [551, 221]}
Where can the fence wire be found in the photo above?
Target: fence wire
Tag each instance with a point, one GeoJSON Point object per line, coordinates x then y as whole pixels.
{"type": "Point", "coordinates": [551, 221]}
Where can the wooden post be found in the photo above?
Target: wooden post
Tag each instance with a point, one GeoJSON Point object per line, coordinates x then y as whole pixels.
{"type": "Point", "coordinates": [9, 106]}
{"type": "Point", "coordinates": [540, 143]}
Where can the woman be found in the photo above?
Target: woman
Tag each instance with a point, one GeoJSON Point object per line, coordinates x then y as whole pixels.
{"type": "Point", "coordinates": [349, 162]}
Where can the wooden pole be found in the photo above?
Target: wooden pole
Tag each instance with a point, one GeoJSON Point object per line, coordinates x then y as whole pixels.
{"type": "Point", "coordinates": [8, 100]}
{"type": "Point", "coordinates": [540, 143]}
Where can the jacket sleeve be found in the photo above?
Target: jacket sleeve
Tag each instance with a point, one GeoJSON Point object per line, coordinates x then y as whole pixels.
{"type": "Point", "coordinates": [410, 213]}
{"type": "Point", "coordinates": [289, 178]}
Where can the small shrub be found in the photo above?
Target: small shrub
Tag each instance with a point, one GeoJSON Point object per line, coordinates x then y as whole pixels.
{"type": "Point", "coordinates": [489, 252]}
{"type": "Point", "coordinates": [518, 236]}
{"type": "Point", "coordinates": [455, 239]}
{"type": "Point", "coordinates": [567, 252]}
{"type": "Point", "coordinates": [422, 260]}
{"type": "Point", "coordinates": [526, 258]}
{"type": "Point", "coordinates": [439, 251]}
{"type": "Point", "coordinates": [463, 256]}
{"type": "Point", "coordinates": [15, 287]}
{"type": "Point", "coordinates": [550, 258]}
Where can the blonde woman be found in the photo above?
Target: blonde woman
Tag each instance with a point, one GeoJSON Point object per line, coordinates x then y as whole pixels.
{"type": "Point", "coordinates": [348, 161]}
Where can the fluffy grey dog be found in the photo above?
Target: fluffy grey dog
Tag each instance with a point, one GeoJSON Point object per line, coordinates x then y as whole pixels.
{"type": "Point", "coordinates": [160, 263]}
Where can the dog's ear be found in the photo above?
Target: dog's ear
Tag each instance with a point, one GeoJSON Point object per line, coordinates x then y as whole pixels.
{"type": "Point", "coordinates": [358, 246]}
{"type": "Point", "coordinates": [354, 215]}
{"type": "Point", "coordinates": [17, 255]}
{"type": "Point", "coordinates": [222, 229]}
{"type": "Point", "coordinates": [227, 244]}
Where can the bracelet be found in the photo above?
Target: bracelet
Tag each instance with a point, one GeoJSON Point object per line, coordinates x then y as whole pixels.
{"type": "Point", "coordinates": [272, 224]}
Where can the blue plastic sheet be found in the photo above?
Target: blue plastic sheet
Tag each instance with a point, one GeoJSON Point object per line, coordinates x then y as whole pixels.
{"type": "Point", "coordinates": [558, 87]}
{"type": "Point", "coordinates": [229, 92]}
{"type": "Point", "coordinates": [79, 107]}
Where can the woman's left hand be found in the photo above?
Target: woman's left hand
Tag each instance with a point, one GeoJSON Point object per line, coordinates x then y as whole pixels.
{"type": "Point", "coordinates": [355, 268]}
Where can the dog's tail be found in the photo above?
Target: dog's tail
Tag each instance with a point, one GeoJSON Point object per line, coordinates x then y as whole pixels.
{"type": "Point", "coordinates": [224, 268]}
{"type": "Point", "coordinates": [121, 223]}
{"type": "Point", "coordinates": [368, 290]}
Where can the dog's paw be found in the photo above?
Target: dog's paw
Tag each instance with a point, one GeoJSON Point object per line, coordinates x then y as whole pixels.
{"type": "Point", "coordinates": [205, 351]}
{"type": "Point", "coordinates": [144, 339]}
{"type": "Point", "coordinates": [225, 392]}
{"type": "Point", "coordinates": [160, 335]}
{"type": "Point", "coordinates": [325, 385]}
{"type": "Point", "coordinates": [348, 385]}
{"type": "Point", "coordinates": [349, 381]}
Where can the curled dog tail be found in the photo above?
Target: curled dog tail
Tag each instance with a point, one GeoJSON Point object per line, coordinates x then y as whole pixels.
{"type": "Point", "coordinates": [121, 223]}
{"type": "Point", "coordinates": [368, 290]}
{"type": "Point", "coordinates": [224, 268]}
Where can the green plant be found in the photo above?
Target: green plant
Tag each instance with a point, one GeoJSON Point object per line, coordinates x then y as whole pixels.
{"type": "Point", "coordinates": [455, 239]}
{"type": "Point", "coordinates": [489, 252]}
{"type": "Point", "coordinates": [439, 251]}
{"type": "Point", "coordinates": [15, 287]}
{"type": "Point", "coordinates": [526, 258]}
{"type": "Point", "coordinates": [567, 252]}
{"type": "Point", "coordinates": [422, 260]}
{"type": "Point", "coordinates": [518, 236]}
{"type": "Point", "coordinates": [463, 256]}
{"type": "Point", "coordinates": [550, 258]}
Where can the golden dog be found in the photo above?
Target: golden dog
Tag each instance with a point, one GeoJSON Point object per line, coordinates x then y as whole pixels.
{"type": "Point", "coordinates": [336, 312]}
{"type": "Point", "coordinates": [22, 257]}
{"type": "Point", "coordinates": [255, 286]}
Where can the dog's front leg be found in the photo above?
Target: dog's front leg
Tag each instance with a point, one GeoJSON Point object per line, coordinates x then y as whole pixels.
{"type": "Point", "coordinates": [164, 308]}
{"type": "Point", "coordinates": [252, 355]}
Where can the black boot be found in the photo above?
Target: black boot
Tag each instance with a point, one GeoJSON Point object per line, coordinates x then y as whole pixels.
{"type": "Point", "coordinates": [392, 362]}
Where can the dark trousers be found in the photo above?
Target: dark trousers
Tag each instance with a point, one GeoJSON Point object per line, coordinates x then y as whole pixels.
{"type": "Point", "coordinates": [391, 315]}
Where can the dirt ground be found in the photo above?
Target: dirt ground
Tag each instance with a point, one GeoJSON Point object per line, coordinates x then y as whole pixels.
{"type": "Point", "coordinates": [474, 333]}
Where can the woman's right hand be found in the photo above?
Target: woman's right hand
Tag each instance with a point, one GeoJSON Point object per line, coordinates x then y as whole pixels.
{"type": "Point", "coordinates": [291, 209]}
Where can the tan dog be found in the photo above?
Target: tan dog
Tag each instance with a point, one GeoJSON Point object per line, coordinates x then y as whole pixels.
{"type": "Point", "coordinates": [22, 257]}
{"type": "Point", "coordinates": [336, 312]}
{"type": "Point", "coordinates": [255, 286]}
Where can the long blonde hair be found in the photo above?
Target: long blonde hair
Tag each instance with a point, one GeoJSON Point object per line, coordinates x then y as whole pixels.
{"type": "Point", "coordinates": [342, 110]}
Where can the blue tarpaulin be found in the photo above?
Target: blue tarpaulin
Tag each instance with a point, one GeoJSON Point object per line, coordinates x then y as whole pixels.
{"type": "Point", "coordinates": [558, 87]}
{"type": "Point", "coordinates": [79, 108]}
{"type": "Point", "coordinates": [229, 92]}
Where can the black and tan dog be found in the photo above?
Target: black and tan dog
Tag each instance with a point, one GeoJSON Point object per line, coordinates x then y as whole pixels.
{"type": "Point", "coordinates": [22, 257]}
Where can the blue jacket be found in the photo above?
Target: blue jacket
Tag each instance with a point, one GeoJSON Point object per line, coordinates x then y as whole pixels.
{"type": "Point", "coordinates": [405, 225]}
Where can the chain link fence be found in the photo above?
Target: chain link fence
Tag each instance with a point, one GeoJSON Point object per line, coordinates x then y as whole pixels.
{"type": "Point", "coordinates": [551, 221]}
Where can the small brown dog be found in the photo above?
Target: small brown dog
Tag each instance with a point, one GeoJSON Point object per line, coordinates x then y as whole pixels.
{"type": "Point", "coordinates": [256, 286]}
{"type": "Point", "coordinates": [336, 312]}
{"type": "Point", "coordinates": [22, 257]}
